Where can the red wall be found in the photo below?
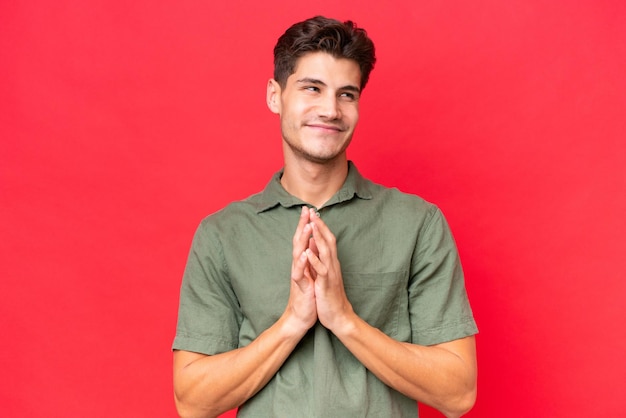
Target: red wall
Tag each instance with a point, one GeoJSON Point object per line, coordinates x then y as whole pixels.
{"type": "Point", "coordinates": [122, 124]}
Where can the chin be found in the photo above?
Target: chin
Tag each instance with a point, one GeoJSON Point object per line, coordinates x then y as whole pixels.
{"type": "Point", "coordinates": [322, 158]}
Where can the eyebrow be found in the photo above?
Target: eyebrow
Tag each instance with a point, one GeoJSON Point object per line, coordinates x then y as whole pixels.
{"type": "Point", "coordinates": [308, 80]}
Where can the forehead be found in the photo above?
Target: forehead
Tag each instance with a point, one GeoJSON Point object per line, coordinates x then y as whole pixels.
{"type": "Point", "coordinates": [326, 68]}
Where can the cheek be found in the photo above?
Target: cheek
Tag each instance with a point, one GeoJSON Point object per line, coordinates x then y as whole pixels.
{"type": "Point", "coordinates": [296, 113]}
{"type": "Point", "coordinates": [352, 115]}
{"type": "Point", "coordinates": [356, 117]}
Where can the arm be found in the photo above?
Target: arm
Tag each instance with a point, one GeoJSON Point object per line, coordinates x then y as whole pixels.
{"type": "Point", "coordinates": [443, 375]}
{"type": "Point", "coordinates": [206, 386]}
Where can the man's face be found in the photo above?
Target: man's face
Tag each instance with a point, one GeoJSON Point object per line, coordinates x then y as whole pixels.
{"type": "Point", "coordinates": [318, 108]}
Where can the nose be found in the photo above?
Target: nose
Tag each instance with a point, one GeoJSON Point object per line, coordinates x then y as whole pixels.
{"type": "Point", "coordinates": [329, 107]}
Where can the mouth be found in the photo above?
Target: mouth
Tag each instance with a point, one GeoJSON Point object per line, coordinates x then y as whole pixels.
{"type": "Point", "coordinates": [325, 127]}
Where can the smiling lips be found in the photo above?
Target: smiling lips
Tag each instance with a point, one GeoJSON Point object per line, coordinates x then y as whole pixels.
{"type": "Point", "coordinates": [324, 126]}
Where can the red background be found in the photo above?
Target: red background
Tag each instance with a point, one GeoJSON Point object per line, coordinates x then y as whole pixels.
{"type": "Point", "coordinates": [122, 124]}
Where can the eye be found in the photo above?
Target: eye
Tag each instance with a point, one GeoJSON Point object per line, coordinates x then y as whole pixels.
{"type": "Point", "coordinates": [348, 96]}
{"type": "Point", "coordinates": [312, 88]}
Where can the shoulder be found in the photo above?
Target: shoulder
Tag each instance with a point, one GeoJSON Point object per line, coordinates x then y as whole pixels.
{"type": "Point", "coordinates": [232, 215]}
{"type": "Point", "coordinates": [400, 203]}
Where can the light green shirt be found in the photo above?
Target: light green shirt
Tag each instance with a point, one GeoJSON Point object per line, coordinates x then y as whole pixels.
{"type": "Point", "coordinates": [401, 273]}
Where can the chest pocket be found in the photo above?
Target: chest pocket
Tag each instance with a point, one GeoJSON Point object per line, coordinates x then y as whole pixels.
{"type": "Point", "coordinates": [380, 299]}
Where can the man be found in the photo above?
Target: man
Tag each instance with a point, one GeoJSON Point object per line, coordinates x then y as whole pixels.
{"type": "Point", "coordinates": [363, 310]}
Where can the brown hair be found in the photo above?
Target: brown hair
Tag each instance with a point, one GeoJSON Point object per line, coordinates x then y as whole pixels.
{"type": "Point", "coordinates": [341, 40]}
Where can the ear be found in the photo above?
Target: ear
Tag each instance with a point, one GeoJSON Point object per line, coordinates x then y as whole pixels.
{"type": "Point", "coordinates": [273, 96]}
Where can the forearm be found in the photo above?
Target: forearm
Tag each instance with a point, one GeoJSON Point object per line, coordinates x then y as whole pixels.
{"type": "Point", "coordinates": [206, 386]}
{"type": "Point", "coordinates": [442, 376]}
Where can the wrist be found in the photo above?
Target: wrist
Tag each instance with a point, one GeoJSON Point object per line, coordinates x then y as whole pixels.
{"type": "Point", "coordinates": [345, 324]}
{"type": "Point", "coordinates": [291, 326]}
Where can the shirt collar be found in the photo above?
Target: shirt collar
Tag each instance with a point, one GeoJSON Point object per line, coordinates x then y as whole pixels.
{"type": "Point", "coordinates": [274, 194]}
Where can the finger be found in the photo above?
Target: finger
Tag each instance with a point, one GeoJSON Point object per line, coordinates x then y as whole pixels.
{"type": "Point", "coordinates": [316, 264]}
{"type": "Point", "coordinates": [324, 242]}
{"type": "Point", "coordinates": [304, 219]}
{"type": "Point", "coordinates": [302, 234]}
{"type": "Point", "coordinates": [298, 272]}
{"type": "Point", "coordinates": [313, 246]}
{"type": "Point", "coordinates": [315, 250]}
{"type": "Point", "coordinates": [309, 273]}
{"type": "Point", "coordinates": [324, 230]}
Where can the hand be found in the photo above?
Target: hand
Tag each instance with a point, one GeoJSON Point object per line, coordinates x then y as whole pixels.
{"type": "Point", "coordinates": [333, 306]}
{"type": "Point", "coordinates": [301, 305]}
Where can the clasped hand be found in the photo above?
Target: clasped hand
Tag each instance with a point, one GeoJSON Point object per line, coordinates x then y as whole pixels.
{"type": "Point", "coordinates": [317, 290]}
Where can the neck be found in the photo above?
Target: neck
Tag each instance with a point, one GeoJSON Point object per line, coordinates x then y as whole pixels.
{"type": "Point", "coordinates": [314, 183]}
